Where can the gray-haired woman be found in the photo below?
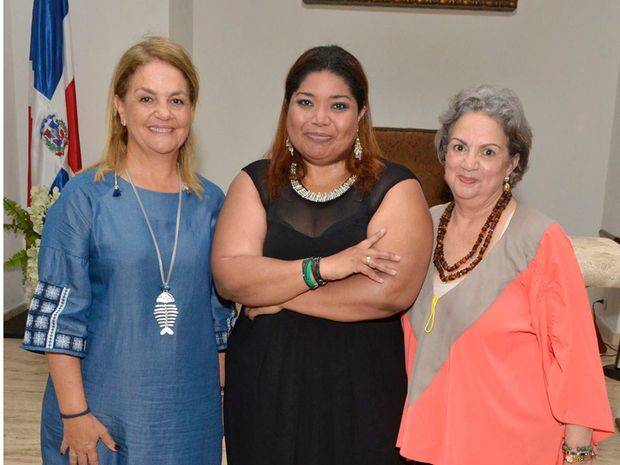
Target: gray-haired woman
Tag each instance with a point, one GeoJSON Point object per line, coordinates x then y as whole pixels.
{"type": "Point", "coordinates": [501, 350]}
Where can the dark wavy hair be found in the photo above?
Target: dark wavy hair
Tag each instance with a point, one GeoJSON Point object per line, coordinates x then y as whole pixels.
{"type": "Point", "coordinates": [338, 61]}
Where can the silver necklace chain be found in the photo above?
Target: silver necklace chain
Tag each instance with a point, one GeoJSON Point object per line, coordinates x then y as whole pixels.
{"type": "Point", "coordinates": [319, 197]}
{"type": "Point", "coordinates": [164, 281]}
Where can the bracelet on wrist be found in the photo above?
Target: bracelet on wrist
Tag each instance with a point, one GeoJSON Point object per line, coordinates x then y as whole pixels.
{"type": "Point", "coordinates": [570, 458]}
{"type": "Point", "coordinates": [68, 416]}
{"type": "Point", "coordinates": [306, 273]}
{"type": "Point", "coordinates": [578, 454]}
{"type": "Point", "coordinates": [316, 271]}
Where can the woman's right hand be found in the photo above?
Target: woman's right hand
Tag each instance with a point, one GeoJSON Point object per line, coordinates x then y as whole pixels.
{"type": "Point", "coordinates": [81, 436]}
{"type": "Point", "coordinates": [360, 258]}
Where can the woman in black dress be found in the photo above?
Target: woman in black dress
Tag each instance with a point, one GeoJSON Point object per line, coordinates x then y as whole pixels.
{"type": "Point", "coordinates": [315, 371]}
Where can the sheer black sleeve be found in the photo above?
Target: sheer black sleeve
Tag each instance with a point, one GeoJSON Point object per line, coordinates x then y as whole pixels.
{"type": "Point", "coordinates": [392, 175]}
{"type": "Point", "coordinates": [258, 172]}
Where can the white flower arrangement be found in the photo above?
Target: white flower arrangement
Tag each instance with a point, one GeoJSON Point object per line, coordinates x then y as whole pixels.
{"type": "Point", "coordinates": [29, 222]}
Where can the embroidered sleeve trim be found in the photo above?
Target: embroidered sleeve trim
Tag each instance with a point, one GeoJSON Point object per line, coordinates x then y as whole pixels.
{"type": "Point", "coordinates": [60, 306]}
{"type": "Point", "coordinates": [221, 336]}
{"type": "Point", "coordinates": [221, 339]}
{"type": "Point", "coordinates": [42, 332]}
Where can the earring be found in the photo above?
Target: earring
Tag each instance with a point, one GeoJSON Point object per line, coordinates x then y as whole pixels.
{"type": "Point", "coordinates": [507, 185]}
{"type": "Point", "coordinates": [117, 190]}
{"type": "Point", "coordinates": [357, 149]}
{"type": "Point", "coordinates": [289, 147]}
{"type": "Point", "coordinates": [123, 123]}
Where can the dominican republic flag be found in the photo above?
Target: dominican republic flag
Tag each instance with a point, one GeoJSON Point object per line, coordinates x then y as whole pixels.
{"type": "Point", "coordinates": [54, 141]}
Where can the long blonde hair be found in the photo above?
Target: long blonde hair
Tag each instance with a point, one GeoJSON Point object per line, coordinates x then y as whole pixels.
{"type": "Point", "coordinates": [115, 149]}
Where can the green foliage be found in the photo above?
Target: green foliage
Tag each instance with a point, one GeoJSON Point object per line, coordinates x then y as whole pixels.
{"type": "Point", "coordinates": [29, 223]}
{"type": "Point", "coordinates": [20, 224]}
{"type": "Point", "coordinates": [19, 260]}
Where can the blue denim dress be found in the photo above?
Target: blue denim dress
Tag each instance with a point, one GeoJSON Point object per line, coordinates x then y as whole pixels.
{"type": "Point", "coordinates": [158, 395]}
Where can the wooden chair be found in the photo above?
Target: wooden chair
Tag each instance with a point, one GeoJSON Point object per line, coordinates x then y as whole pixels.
{"type": "Point", "coordinates": [415, 149]}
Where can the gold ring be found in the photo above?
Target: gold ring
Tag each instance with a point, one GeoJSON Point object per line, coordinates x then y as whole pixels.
{"type": "Point", "coordinates": [368, 259]}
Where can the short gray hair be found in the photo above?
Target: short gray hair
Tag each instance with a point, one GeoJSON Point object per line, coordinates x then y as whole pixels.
{"type": "Point", "coordinates": [502, 105]}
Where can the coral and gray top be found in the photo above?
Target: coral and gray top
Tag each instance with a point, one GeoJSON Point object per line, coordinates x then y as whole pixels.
{"type": "Point", "coordinates": [511, 359]}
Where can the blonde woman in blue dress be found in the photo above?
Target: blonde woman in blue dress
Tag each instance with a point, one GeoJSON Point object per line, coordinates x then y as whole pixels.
{"type": "Point", "coordinates": [124, 310]}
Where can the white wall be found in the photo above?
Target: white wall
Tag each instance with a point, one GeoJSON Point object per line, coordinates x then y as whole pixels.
{"type": "Point", "coordinates": [561, 56]}
{"type": "Point", "coordinates": [182, 22]}
{"type": "Point", "coordinates": [611, 213]}
{"type": "Point", "coordinates": [101, 32]}
{"type": "Point", "coordinates": [609, 315]}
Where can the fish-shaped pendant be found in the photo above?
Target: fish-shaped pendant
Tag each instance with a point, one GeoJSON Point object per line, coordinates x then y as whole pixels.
{"type": "Point", "coordinates": [166, 312]}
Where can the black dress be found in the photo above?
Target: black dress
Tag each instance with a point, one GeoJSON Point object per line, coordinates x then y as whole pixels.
{"type": "Point", "coordinates": [308, 391]}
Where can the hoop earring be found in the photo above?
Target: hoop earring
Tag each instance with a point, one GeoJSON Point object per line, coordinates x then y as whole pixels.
{"type": "Point", "coordinates": [357, 149]}
{"type": "Point", "coordinates": [507, 185]}
{"type": "Point", "coordinates": [289, 147]}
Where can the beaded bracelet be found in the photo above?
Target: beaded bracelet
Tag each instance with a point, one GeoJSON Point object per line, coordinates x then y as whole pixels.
{"type": "Point", "coordinates": [316, 273]}
{"type": "Point", "coordinates": [578, 454]}
{"type": "Point", "coordinates": [306, 273]}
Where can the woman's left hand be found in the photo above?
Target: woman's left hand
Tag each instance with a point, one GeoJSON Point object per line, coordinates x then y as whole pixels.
{"type": "Point", "coordinates": [252, 313]}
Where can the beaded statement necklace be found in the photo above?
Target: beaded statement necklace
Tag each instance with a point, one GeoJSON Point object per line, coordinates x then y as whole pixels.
{"type": "Point", "coordinates": [319, 197]}
{"type": "Point", "coordinates": [452, 272]}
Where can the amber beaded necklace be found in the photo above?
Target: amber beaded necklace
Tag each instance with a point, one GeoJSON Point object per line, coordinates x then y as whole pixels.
{"type": "Point", "coordinates": [449, 272]}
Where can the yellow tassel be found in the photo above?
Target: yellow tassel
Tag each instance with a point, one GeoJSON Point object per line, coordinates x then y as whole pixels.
{"type": "Point", "coordinates": [430, 322]}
